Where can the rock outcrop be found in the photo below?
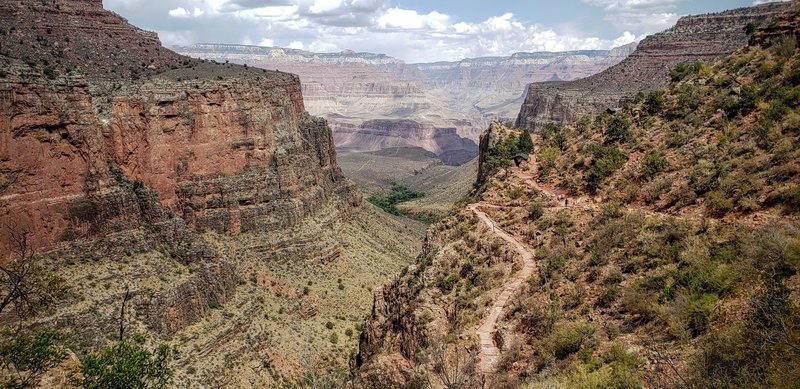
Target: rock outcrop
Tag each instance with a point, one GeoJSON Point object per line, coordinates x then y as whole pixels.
{"type": "Point", "coordinates": [224, 148]}
{"type": "Point", "coordinates": [693, 38]}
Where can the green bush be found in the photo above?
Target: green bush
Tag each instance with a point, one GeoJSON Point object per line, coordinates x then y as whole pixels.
{"type": "Point", "coordinates": [536, 208]}
{"type": "Point", "coordinates": [447, 283]}
{"type": "Point", "coordinates": [717, 203]}
{"type": "Point", "coordinates": [567, 338]}
{"type": "Point", "coordinates": [30, 356]}
{"type": "Point", "coordinates": [609, 159]}
{"type": "Point", "coordinates": [125, 365]}
{"type": "Point", "coordinates": [654, 102]}
{"type": "Point", "coordinates": [637, 301]}
{"type": "Point", "coordinates": [758, 351]}
{"type": "Point", "coordinates": [788, 196]}
{"type": "Point", "coordinates": [618, 129]}
{"type": "Point", "coordinates": [608, 296]}
{"type": "Point", "coordinates": [705, 177]}
{"type": "Point", "coordinates": [743, 103]}
{"type": "Point", "coordinates": [683, 70]}
{"type": "Point", "coordinates": [653, 163]}
{"type": "Point", "coordinates": [583, 124]}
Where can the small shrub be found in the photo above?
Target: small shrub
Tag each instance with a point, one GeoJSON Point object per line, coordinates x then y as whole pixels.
{"type": "Point", "coordinates": [334, 338]}
{"type": "Point", "coordinates": [683, 70]}
{"type": "Point", "coordinates": [654, 102]}
{"type": "Point", "coordinates": [329, 325]}
{"type": "Point", "coordinates": [536, 208]}
{"type": "Point", "coordinates": [567, 338]}
{"type": "Point", "coordinates": [638, 302]}
{"type": "Point", "coordinates": [653, 163]}
{"type": "Point", "coordinates": [50, 73]}
{"type": "Point", "coordinates": [618, 129]}
{"type": "Point", "coordinates": [788, 196]}
{"type": "Point", "coordinates": [609, 160]}
{"type": "Point", "coordinates": [447, 283]}
{"type": "Point", "coordinates": [126, 365]}
{"type": "Point", "coordinates": [608, 296]}
{"type": "Point", "coordinates": [705, 177]}
{"type": "Point", "coordinates": [717, 204]}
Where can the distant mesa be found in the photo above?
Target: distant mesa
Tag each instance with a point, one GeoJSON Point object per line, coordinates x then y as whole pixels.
{"type": "Point", "coordinates": [376, 135]}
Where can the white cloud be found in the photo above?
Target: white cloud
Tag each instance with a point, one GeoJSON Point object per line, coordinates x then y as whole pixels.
{"type": "Point", "coordinates": [181, 12]}
{"type": "Point", "coordinates": [322, 6]}
{"type": "Point", "coordinates": [366, 25]}
{"type": "Point", "coordinates": [396, 18]}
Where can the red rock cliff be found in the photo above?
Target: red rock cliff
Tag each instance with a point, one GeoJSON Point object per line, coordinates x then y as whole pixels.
{"type": "Point", "coordinates": [224, 147]}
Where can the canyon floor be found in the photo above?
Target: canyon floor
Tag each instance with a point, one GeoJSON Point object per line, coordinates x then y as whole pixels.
{"type": "Point", "coordinates": [442, 185]}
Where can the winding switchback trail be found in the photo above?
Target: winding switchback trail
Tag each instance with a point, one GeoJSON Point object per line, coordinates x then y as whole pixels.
{"type": "Point", "coordinates": [489, 353]}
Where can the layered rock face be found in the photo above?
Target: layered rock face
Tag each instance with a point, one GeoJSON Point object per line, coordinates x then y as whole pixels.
{"type": "Point", "coordinates": [234, 152]}
{"type": "Point", "coordinates": [345, 84]}
{"type": "Point", "coordinates": [693, 38]}
{"type": "Point", "coordinates": [352, 88]}
{"type": "Point", "coordinates": [497, 84]}
{"type": "Point", "coordinates": [375, 135]}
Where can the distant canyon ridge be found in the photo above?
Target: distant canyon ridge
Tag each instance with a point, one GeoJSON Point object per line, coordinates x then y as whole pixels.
{"type": "Point", "coordinates": [375, 102]}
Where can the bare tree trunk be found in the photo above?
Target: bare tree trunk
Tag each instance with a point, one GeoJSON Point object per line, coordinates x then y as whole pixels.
{"type": "Point", "coordinates": [122, 314]}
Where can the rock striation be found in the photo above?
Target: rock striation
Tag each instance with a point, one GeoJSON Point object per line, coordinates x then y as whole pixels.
{"type": "Point", "coordinates": [89, 149]}
{"type": "Point", "coordinates": [351, 88]}
{"type": "Point", "coordinates": [693, 38]}
{"type": "Point", "coordinates": [375, 135]}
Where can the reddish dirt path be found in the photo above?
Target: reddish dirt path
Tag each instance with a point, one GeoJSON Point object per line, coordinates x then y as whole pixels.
{"type": "Point", "coordinates": [489, 353]}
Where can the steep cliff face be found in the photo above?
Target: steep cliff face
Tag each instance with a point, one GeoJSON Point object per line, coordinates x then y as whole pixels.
{"type": "Point", "coordinates": [357, 87]}
{"type": "Point", "coordinates": [203, 191]}
{"type": "Point", "coordinates": [693, 38]}
{"type": "Point", "coordinates": [233, 153]}
{"type": "Point", "coordinates": [375, 135]}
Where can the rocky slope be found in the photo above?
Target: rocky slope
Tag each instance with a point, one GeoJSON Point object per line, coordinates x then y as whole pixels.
{"type": "Point", "coordinates": [665, 241]}
{"type": "Point", "coordinates": [140, 170]}
{"type": "Point", "coordinates": [693, 38]}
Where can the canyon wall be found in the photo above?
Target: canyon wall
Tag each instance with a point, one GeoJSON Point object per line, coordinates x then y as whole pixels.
{"type": "Point", "coordinates": [221, 147]}
{"type": "Point", "coordinates": [375, 135]}
{"type": "Point", "coordinates": [693, 38]}
{"type": "Point", "coordinates": [351, 88]}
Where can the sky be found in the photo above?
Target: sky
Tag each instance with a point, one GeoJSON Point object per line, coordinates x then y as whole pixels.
{"type": "Point", "coordinates": [414, 30]}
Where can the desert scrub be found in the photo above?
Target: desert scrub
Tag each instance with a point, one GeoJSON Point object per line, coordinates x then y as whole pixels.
{"type": "Point", "coordinates": [568, 338]}
{"type": "Point", "coordinates": [652, 164]}
{"type": "Point", "coordinates": [618, 368]}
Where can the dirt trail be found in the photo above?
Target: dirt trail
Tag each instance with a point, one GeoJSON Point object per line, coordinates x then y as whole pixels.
{"type": "Point", "coordinates": [489, 352]}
